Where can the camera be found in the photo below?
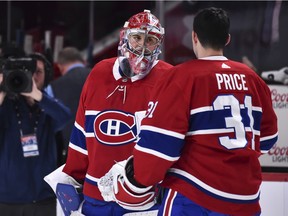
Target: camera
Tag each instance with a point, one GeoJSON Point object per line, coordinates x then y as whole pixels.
{"type": "Point", "coordinates": [17, 74]}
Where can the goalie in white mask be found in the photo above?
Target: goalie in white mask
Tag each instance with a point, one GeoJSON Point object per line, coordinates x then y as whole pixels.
{"type": "Point", "coordinates": [112, 104]}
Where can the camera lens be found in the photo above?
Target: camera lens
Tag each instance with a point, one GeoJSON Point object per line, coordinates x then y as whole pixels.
{"type": "Point", "coordinates": [17, 81]}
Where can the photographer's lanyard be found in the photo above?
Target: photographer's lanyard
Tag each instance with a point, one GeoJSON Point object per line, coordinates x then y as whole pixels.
{"type": "Point", "coordinates": [28, 141]}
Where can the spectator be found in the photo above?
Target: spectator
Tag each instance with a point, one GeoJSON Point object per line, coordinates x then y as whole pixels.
{"type": "Point", "coordinates": [210, 120]}
{"type": "Point", "coordinates": [68, 88]}
{"type": "Point", "coordinates": [29, 121]}
{"type": "Point", "coordinates": [112, 104]}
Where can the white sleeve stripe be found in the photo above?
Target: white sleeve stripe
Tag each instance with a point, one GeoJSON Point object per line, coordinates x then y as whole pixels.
{"type": "Point", "coordinates": [94, 179]}
{"type": "Point", "coordinates": [210, 108]}
{"type": "Point", "coordinates": [264, 151]}
{"type": "Point", "coordinates": [268, 137]}
{"type": "Point", "coordinates": [79, 128]}
{"type": "Point", "coordinates": [91, 112]}
{"type": "Point", "coordinates": [201, 109]}
{"type": "Point", "coordinates": [77, 148]}
{"type": "Point", "coordinates": [162, 131]}
{"type": "Point", "coordinates": [210, 131]}
{"type": "Point", "coordinates": [218, 131]}
{"type": "Point", "coordinates": [90, 135]}
{"type": "Point", "coordinates": [259, 109]}
{"type": "Point", "coordinates": [155, 153]}
{"type": "Point", "coordinates": [214, 190]}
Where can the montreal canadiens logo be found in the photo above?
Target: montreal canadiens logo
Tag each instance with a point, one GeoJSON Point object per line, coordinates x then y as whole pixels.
{"type": "Point", "coordinates": [115, 127]}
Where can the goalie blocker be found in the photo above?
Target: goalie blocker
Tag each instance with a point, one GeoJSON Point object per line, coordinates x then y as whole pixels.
{"type": "Point", "coordinates": [67, 190]}
{"type": "Point", "coordinates": [119, 185]}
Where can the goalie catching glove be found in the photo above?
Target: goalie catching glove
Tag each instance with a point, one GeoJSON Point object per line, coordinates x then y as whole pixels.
{"type": "Point", "coordinates": [116, 186]}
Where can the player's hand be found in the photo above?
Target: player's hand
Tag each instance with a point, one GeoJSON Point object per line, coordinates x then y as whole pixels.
{"type": "Point", "coordinates": [115, 186]}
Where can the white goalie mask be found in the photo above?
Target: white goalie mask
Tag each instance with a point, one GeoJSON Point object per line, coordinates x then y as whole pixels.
{"type": "Point", "coordinates": [140, 44]}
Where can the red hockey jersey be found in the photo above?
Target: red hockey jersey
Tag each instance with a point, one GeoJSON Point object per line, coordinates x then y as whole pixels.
{"type": "Point", "coordinates": [209, 120]}
{"type": "Point", "coordinates": [107, 122]}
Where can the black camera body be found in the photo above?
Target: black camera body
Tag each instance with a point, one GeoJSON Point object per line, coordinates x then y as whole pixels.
{"type": "Point", "coordinates": [17, 74]}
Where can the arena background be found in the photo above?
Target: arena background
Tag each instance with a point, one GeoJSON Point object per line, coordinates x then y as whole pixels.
{"type": "Point", "coordinates": [259, 38]}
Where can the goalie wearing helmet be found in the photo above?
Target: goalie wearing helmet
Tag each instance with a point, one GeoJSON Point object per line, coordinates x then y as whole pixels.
{"type": "Point", "coordinates": [140, 44]}
{"type": "Point", "coordinates": [113, 102]}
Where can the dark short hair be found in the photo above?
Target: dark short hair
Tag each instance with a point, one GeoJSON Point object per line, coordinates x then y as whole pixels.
{"type": "Point", "coordinates": [68, 55]}
{"type": "Point", "coordinates": [212, 27]}
{"type": "Point", "coordinates": [47, 66]}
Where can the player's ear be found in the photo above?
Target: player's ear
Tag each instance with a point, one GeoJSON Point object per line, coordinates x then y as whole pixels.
{"type": "Point", "coordinates": [194, 37]}
{"type": "Point", "coordinates": [228, 39]}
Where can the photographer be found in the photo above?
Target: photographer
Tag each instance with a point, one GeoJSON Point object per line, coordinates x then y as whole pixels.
{"type": "Point", "coordinates": [29, 121]}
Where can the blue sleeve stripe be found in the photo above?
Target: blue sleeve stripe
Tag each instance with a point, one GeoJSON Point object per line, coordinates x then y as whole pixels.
{"type": "Point", "coordinates": [89, 123]}
{"type": "Point", "coordinates": [161, 144]}
{"type": "Point", "coordinates": [269, 137]}
{"type": "Point", "coordinates": [213, 191]}
{"type": "Point", "coordinates": [155, 153]}
{"type": "Point", "coordinates": [162, 131]}
{"type": "Point", "coordinates": [207, 119]}
{"type": "Point", "coordinates": [267, 144]}
{"type": "Point", "coordinates": [92, 180]}
{"type": "Point", "coordinates": [78, 138]}
{"type": "Point", "coordinates": [76, 125]}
